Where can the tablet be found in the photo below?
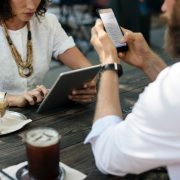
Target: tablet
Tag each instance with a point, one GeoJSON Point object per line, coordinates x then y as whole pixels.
{"type": "Point", "coordinates": [65, 83]}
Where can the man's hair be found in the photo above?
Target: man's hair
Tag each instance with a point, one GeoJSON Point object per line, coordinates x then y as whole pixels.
{"type": "Point", "coordinates": [6, 11]}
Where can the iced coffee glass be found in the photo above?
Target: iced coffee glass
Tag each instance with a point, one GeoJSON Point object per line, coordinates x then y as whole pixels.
{"type": "Point", "coordinates": [42, 149]}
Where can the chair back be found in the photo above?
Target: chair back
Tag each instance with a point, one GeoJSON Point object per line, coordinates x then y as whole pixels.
{"type": "Point", "coordinates": [74, 2]}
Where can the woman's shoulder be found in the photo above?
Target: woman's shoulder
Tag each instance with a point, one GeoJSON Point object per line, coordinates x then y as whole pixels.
{"type": "Point", "coordinates": [48, 19]}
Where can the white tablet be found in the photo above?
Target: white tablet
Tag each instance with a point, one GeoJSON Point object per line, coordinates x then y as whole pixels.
{"type": "Point", "coordinates": [65, 83]}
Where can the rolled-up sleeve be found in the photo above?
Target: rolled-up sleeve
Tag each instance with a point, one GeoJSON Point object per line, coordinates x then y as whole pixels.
{"type": "Point", "coordinates": [101, 130]}
{"type": "Point", "coordinates": [62, 41]}
{"type": "Point", "coordinates": [101, 125]}
{"type": "Point", "coordinates": [148, 138]}
{"type": "Point", "coordinates": [120, 147]}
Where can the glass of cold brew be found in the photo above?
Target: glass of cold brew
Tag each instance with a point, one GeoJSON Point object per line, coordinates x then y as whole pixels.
{"type": "Point", "coordinates": [42, 149]}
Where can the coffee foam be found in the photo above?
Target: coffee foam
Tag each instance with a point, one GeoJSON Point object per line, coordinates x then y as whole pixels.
{"type": "Point", "coordinates": [42, 137]}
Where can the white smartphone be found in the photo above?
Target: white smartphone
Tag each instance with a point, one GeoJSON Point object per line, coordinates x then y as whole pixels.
{"type": "Point", "coordinates": [112, 28]}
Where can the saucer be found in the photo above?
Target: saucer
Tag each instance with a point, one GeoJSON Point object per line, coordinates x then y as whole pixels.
{"type": "Point", "coordinates": [12, 121]}
{"type": "Point", "coordinates": [23, 173]}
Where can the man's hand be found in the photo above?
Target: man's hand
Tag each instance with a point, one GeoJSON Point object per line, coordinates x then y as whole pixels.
{"type": "Point", "coordinates": [32, 97]}
{"type": "Point", "coordinates": [140, 55]}
{"type": "Point", "coordinates": [139, 52]}
{"type": "Point", "coordinates": [103, 44]}
{"type": "Point", "coordinates": [86, 94]}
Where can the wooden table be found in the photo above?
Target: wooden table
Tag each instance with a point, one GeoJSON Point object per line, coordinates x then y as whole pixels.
{"type": "Point", "coordinates": [73, 123]}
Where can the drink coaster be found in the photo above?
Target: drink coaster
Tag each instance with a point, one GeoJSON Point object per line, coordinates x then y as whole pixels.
{"type": "Point", "coordinates": [23, 173]}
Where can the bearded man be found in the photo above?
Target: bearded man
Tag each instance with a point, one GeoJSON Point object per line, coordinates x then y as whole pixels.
{"type": "Point", "coordinates": [150, 135]}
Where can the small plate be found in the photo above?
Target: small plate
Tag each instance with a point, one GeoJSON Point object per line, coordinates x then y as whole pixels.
{"type": "Point", "coordinates": [23, 174]}
{"type": "Point", "coordinates": [12, 121]}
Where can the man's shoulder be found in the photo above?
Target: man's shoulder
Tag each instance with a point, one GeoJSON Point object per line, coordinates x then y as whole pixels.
{"type": "Point", "coordinates": [169, 82]}
{"type": "Point", "coordinates": [173, 71]}
{"type": "Point", "coordinates": [170, 72]}
{"type": "Point", "coordinates": [175, 66]}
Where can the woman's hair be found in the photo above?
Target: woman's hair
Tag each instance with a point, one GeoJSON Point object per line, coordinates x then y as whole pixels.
{"type": "Point", "coordinates": [6, 11]}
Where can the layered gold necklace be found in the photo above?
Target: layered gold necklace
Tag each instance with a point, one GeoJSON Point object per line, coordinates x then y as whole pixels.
{"type": "Point", "coordinates": [25, 68]}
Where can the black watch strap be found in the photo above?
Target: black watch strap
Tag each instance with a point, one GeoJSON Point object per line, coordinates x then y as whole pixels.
{"type": "Point", "coordinates": [113, 67]}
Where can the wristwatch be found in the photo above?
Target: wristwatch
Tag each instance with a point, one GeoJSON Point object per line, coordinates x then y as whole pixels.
{"type": "Point", "coordinates": [113, 67]}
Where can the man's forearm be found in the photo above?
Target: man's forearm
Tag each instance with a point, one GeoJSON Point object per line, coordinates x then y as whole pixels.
{"type": "Point", "coordinates": [108, 96]}
{"type": "Point", "coordinates": [153, 66]}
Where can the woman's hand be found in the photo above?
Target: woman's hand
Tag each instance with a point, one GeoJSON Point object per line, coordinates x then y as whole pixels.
{"type": "Point", "coordinates": [86, 94]}
{"type": "Point", "coordinates": [103, 44]}
{"type": "Point", "coordinates": [32, 97]}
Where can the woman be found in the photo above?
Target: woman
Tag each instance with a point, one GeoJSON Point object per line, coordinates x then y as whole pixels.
{"type": "Point", "coordinates": [29, 38]}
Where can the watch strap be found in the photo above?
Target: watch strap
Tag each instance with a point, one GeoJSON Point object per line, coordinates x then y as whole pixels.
{"type": "Point", "coordinates": [113, 67]}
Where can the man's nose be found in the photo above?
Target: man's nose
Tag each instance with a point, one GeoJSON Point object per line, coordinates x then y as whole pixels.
{"type": "Point", "coordinates": [164, 7]}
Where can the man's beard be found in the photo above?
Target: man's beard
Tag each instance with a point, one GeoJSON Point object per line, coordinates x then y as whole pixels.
{"type": "Point", "coordinates": [172, 38]}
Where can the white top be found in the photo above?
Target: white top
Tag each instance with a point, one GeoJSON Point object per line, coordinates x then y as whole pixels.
{"type": "Point", "coordinates": [48, 38]}
{"type": "Point", "coordinates": [150, 135]}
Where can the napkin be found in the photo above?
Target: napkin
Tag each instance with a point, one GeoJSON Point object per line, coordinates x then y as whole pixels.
{"type": "Point", "coordinates": [70, 173]}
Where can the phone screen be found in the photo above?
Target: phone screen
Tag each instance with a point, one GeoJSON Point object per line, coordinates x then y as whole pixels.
{"type": "Point", "coordinates": [112, 28]}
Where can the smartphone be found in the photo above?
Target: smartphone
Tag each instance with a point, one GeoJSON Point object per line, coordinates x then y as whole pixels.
{"type": "Point", "coordinates": [112, 28]}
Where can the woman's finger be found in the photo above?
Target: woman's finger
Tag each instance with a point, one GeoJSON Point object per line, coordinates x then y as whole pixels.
{"type": "Point", "coordinates": [37, 96]}
{"type": "Point", "coordinates": [29, 98]}
{"type": "Point", "coordinates": [89, 91]}
{"type": "Point", "coordinates": [90, 84]}
{"type": "Point", "coordinates": [89, 96]}
{"type": "Point", "coordinates": [85, 99]}
{"type": "Point", "coordinates": [42, 89]}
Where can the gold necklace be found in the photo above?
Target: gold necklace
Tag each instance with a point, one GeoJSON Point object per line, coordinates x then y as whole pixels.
{"type": "Point", "coordinates": [25, 68]}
